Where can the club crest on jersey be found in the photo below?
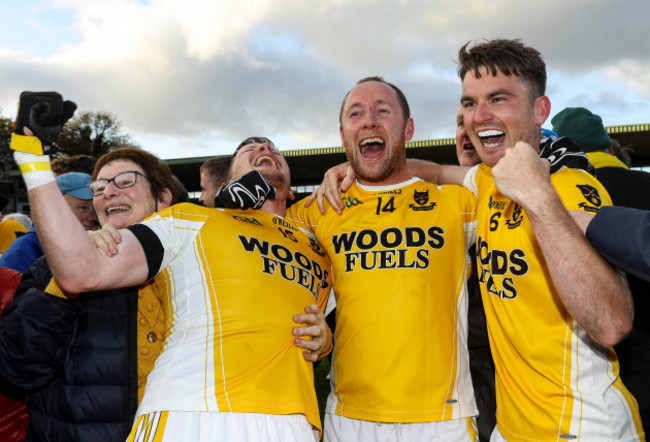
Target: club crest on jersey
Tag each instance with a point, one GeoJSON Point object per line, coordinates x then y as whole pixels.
{"type": "Point", "coordinates": [421, 199]}
{"type": "Point", "coordinates": [517, 218]}
{"type": "Point", "coordinates": [591, 194]}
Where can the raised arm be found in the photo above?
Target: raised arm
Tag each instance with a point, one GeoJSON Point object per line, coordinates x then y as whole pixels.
{"type": "Point", "coordinates": [77, 264]}
{"type": "Point", "coordinates": [592, 291]}
{"type": "Point", "coordinates": [74, 260]}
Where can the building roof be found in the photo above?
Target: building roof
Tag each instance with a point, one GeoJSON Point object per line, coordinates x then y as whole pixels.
{"type": "Point", "coordinates": [309, 165]}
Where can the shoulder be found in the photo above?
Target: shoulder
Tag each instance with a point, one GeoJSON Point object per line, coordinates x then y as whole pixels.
{"type": "Point", "coordinates": [183, 210]}
{"type": "Point", "coordinates": [478, 179]}
{"type": "Point", "coordinates": [183, 216]}
{"type": "Point", "coordinates": [577, 187]}
{"type": "Point", "coordinates": [567, 176]}
{"type": "Point", "coordinates": [308, 217]}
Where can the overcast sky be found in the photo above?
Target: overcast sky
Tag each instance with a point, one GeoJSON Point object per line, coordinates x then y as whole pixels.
{"type": "Point", "coordinates": [195, 77]}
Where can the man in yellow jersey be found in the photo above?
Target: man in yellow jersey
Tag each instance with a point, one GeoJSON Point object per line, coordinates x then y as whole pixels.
{"type": "Point", "coordinates": [231, 281]}
{"type": "Point", "coordinates": [400, 261]}
{"type": "Point", "coordinates": [554, 308]}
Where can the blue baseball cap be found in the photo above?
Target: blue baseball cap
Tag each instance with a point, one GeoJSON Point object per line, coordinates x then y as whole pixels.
{"type": "Point", "coordinates": [75, 184]}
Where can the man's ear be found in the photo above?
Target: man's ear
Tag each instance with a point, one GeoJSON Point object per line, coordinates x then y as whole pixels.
{"type": "Point", "coordinates": [542, 109]}
{"type": "Point", "coordinates": [164, 199]}
{"type": "Point", "coordinates": [409, 129]}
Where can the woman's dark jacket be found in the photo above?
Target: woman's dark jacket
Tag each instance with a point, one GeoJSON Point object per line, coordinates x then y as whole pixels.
{"type": "Point", "coordinates": [74, 359]}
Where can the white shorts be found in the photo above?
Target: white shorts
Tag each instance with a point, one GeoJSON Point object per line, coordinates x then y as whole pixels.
{"type": "Point", "coordinates": [344, 429]}
{"type": "Point", "coordinates": [174, 426]}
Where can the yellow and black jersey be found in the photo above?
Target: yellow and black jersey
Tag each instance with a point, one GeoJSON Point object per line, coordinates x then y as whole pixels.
{"type": "Point", "coordinates": [231, 282]}
{"type": "Point", "coordinates": [10, 230]}
{"type": "Point", "coordinates": [400, 264]}
{"type": "Point", "coordinates": [553, 382]}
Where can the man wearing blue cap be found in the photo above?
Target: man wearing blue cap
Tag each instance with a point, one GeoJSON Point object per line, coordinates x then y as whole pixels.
{"type": "Point", "coordinates": [27, 249]}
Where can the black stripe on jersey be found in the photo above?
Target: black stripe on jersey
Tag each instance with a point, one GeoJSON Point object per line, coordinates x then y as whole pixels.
{"type": "Point", "coordinates": [152, 246]}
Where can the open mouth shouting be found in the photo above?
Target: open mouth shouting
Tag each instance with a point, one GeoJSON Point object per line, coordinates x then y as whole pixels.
{"type": "Point", "coordinates": [262, 159]}
{"type": "Point", "coordinates": [372, 148]}
{"type": "Point", "coordinates": [491, 138]}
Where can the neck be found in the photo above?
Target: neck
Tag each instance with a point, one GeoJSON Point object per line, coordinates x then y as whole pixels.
{"type": "Point", "coordinates": [398, 176]}
{"type": "Point", "coordinates": [276, 207]}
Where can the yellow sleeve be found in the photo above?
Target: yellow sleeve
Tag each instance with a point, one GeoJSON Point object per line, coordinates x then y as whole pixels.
{"type": "Point", "coordinates": [53, 288]}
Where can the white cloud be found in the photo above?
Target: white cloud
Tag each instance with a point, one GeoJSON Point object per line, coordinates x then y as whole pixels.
{"type": "Point", "coordinates": [635, 74]}
{"type": "Point", "coordinates": [198, 76]}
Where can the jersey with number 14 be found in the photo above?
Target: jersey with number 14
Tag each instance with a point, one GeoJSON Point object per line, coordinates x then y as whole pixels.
{"type": "Point", "coordinates": [400, 262]}
{"type": "Point", "coordinates": [231, 282]}
{"type": "Point", "coordinates": [553, 382]}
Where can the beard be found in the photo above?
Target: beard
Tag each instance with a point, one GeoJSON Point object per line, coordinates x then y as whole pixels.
{"type": "Point", "coordinates": [387, 169]}
{"type": "Point", "coordinates": [392, 164]}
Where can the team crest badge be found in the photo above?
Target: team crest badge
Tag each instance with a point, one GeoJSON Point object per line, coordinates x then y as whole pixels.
{"type": "Point", "coordinates": [517, 218]}
{"type": "Point", "coordinates": [421, 201]}
{"type": "Point", "coordinates": [590, 193]}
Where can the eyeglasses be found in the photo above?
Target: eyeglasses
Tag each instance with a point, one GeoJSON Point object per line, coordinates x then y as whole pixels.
{"type": "Point", "coordinates": [121, 180]}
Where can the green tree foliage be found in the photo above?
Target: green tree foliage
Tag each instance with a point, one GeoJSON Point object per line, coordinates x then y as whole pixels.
{"type": "Point", "coordinates": [6, 159]}
{"type": "Point", "coordinates": [92, 133]}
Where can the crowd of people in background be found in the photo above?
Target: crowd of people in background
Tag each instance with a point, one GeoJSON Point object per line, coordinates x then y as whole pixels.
{"type": "Point", "coordinates": [501, 299]}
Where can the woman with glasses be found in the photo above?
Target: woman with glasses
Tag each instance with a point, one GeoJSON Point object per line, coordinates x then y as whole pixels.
{"type": "Point", "coordinates": [82, 362]}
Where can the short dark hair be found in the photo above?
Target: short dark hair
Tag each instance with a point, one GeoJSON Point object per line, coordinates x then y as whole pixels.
{"type": "Point", "coordinates": [253, 140]}
{"type": "Point", "coordinates": [158, 172]}
{"type": "Point", "coordinates": [404, 104]}
{"type": "Point", "coordinates": [511, 57]}
{"type": "Point", "coordinates": [217, 169]}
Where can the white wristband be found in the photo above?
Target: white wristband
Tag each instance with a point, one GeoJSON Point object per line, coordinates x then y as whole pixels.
{"type": "Point", "coordinates": [36, 169]}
